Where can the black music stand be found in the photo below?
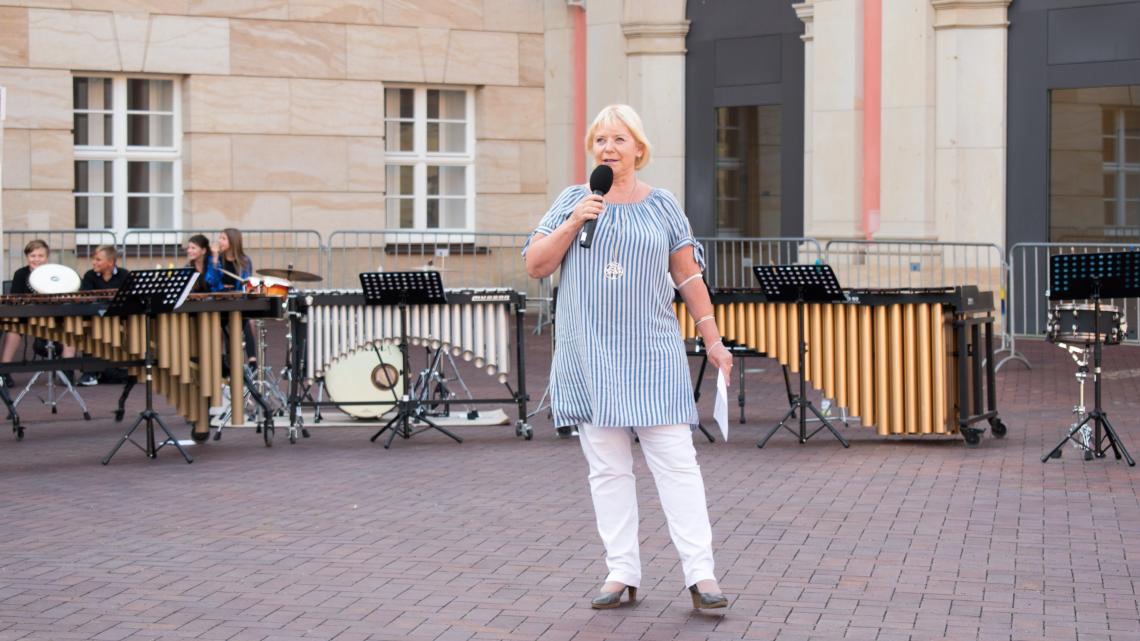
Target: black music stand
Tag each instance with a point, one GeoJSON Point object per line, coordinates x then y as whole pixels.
{"type": "Point", "coordinates": [1095, 276]}
{"type": "Point", "coordinates": [151, 292]}
{"type": "Point", "coordinates": [800, 284]}
{"type": "Point", "coordinates": [403, 289]}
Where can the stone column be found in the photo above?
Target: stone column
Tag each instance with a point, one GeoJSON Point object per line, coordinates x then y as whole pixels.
{"type": "Point", "coordinates": [833, 119]}
{"type": "Point", "coordinates": [907, 191]}
{"type": "Point", "coordinates": [656, 69]}
{"type": "Point", "coordinates": [970, 173]}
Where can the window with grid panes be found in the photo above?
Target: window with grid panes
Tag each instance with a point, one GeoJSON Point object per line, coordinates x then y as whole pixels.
{"type": "Point", "coordinates": [127, 137]}
{"type": "Point", "coordinates": [429, 158]}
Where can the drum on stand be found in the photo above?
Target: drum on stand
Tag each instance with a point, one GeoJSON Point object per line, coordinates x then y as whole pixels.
{"type": "Point", "coordinates": [363, 375]}
{"type": "Point", "coordinates": [1073, 323]}
{"type": "Point", "coordinates": [269, 286]}
{"type": "Point", "coordinates": [52, 278]}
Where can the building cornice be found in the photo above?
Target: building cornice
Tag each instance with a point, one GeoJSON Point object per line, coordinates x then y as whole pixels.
{"type": "Point", "coordinates": [655, 38]}
{"type": "Point", "coordinates": [970, 14]}
{"type": "Point", "coordinates": [805, 11]}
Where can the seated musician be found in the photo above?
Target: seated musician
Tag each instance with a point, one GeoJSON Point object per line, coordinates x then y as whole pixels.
{"type": "Point", "coordinates": [35, 254]}
{"type": "Point", "coordinates": [104, 274]}
{"type": "Point", "coordinates": [236, 268]}
{"type": "Point", "coordinates": [201, 258]}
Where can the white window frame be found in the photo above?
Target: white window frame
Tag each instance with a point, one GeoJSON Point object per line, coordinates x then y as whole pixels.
{"type": "Point", "coordinates": [1120, 170]}
{"type": "Point", "coordinates": [119, 153]}
{"type": "Point", "coordinates": [419, 158]}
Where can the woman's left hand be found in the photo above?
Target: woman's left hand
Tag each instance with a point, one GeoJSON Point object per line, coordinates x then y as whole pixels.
{"type": "Point", "coordinates": [721, 358]}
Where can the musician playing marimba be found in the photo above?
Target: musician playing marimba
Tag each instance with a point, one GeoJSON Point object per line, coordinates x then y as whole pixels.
{"type": "Point", "coordinates": [619, 364]}
{"type": "Point", "coordinates": [200, 258]}
{"type": "Point", "coordinates": [105, 272]}
{"type": "Point", "coordinates": [35, 254]}
{"type": "Point", "coordinates": [231, 257]}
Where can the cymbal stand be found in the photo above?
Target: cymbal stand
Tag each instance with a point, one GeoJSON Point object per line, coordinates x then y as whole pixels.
{"type": "Point", "coordinates": [51, 401]}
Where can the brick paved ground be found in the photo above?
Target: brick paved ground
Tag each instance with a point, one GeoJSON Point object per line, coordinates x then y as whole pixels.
{"type": "Point", "coordinates": [335, 538]}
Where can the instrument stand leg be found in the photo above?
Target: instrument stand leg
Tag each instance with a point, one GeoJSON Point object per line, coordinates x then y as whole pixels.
{"type": "Point", "coordinates": [1097, 416]}
{"type": "Point", "coordinates": [148, 415]}
{"type": "Point", "coordinates": [70, 389]}
{"type": "Point", "coordinates": [802, 403]}
{"type": "Point", "coordinates": [121, 410]}
{"type": "Point", "coordinates": [13, 415]}
{"type": "Point", "coordinates": [408, 408]}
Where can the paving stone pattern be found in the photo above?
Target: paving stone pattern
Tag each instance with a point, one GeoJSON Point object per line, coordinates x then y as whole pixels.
{"type": "Point", "coordinates": [335, 538]}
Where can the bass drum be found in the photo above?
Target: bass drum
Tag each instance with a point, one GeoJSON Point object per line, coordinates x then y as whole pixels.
{"type": "Point", "coordinates": [366, 374]}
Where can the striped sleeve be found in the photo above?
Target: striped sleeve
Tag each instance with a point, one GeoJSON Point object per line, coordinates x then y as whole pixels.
{"type": "Point", "coordinates": [680, 231]}
{"type": "Point", "coordinates": [559, 211]}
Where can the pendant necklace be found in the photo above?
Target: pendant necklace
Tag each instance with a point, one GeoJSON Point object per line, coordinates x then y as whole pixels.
{"type": "Point", "coordinates": [614, 270]}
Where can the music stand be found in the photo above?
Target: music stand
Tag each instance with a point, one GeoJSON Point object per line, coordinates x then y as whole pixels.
{"type": "Point", "coordinates": [1095, 276]}
{"type": "Point", "coordinates": [800, 284]}
{"type": "Point", "coordinates": [151, 292]}
{"type": "Point", "coordinates": [403, 289]}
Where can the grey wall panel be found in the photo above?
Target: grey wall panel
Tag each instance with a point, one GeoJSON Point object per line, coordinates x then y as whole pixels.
{"type": "Point", "coordinates": [1097, 41]}
{"type": "Point", "coordinates": [742, 52]}
{"type": "Point", "coordinates": [1094, 34]}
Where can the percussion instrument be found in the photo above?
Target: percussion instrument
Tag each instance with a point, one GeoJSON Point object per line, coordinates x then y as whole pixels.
{"type": "Point", "coordinates": [331, 326]}
{"type": "Point", "coordinates": [475, 324]}
{"type": "Point", "coordinates": [290, 274]}
{"type": "Point", "coordinates": [187, 342]}
{"type": "Point", "coordinates": [366, 374]}
{"type": "Point", "coordinates": [52, 278]}
{"type": "Point", "coordinates": [269, 286]}
{"type": "Point", "coordinates": [1074, 323]}
{"type": "Point", "coordinates": [888, 357]}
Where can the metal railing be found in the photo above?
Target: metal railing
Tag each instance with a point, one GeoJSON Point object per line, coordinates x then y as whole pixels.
{"type": "Point", "coordinates": [71, 247]}
{"type": "Point", "coordinates": [730, 260]}
{"type": "Point", "coordinates": [1029, 284]}
{"type": "Point", "coordinates": [300, 249]}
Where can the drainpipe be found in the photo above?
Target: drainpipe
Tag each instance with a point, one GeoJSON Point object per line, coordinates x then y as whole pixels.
{"type": "Point", "coordinates": [872, 113]}
{"type": "Point", "coordinates": [577, 152]}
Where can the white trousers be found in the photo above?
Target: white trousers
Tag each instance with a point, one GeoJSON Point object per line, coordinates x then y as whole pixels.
{"type": "Point", "coordinates": [672, 458]}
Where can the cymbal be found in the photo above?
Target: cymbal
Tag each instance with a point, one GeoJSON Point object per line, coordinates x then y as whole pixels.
{"type": "Point", "coordinates": [291, 274]}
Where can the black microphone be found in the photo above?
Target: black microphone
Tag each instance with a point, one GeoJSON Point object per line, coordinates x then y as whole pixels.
{"type": "Point", "coordinates": [601, 179]}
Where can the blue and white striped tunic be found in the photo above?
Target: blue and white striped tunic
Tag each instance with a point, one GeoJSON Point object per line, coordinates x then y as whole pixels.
{"type": "Point", "coordinates": [619, 360]}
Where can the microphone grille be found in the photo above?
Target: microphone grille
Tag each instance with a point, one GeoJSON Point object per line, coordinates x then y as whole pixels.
{"type": "Point", "coordinates": [602, 178]}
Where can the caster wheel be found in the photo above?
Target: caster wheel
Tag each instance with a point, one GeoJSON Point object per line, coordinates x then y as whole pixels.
{"type": "Point", "coordinates": [217, 436]}
{"type": "Point", "coordinates": [1056, 454]}
{"type": "Point", "coordinates": [304, 433]}
{"type": "Point", "coordinates": [268, 434]}
{"type": "Point", "coordinates": [292, 438]}
{"type": "Point", "coordinates": [1088, 455]}
{"type": "Point", "coordinates": [199, 438]}
{"type": "Point", "coordinates": [87, 416]}
{"type": "Point", "coordinates": [529, 433]}
{"type": "Point", "coordinates": [54, 410]}
{"type": "Point", "coordinates": [997, 428]}
{"type": "Point", "coordinates": [973, 438]}
{"type": "Point", "coordinates": [118, 416]}
{"type": "Point", "coordinates": [20, 433]}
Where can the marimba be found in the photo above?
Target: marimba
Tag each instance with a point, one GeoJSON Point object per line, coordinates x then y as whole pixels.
{"type": "Point", "coordinates": [187, 343]}
{"type": "Point", "coordinates": [905, 361]}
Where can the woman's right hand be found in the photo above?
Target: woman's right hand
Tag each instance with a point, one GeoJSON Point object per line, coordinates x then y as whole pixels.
{"type": "Point", "coordinates": [587, 209]}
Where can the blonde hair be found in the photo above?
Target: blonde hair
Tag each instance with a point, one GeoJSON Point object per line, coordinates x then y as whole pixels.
{"type": "Point", "coordinates": [109, 252]}
{"type": "Point", "coordinates": [621, 115]}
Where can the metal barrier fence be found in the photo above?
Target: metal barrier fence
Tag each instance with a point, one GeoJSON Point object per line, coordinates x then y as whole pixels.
{"type": "Point", "coordinates": [463, 259]}
{"type": "Point", "coordinates": [71, 247]}
{"type": "Point", "coordinates": [1029, 284]}
{"type": "Point", "coordinates": [730, 260]}
{"type": "Point", "coordinates": [267, 248]}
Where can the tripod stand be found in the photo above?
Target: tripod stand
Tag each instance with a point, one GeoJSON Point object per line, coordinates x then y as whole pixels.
{"type": "Point", "coordinates": [151, 292]}
{"type": "Point", "coordinates": [400, 289]}
{"type": "Point", "coordinates": [1082, 276]}
{"type": "Point", "coordinates": [800, 284]}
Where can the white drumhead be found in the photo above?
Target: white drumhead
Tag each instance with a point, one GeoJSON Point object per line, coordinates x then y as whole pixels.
{"type": "Point", "coordinates": [362, 376]}
{"type": "Point", "coordinates": [51, 278]}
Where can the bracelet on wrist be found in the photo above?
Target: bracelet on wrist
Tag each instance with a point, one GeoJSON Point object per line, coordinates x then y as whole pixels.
{"type": "Point", "coordinates": [702, 319]}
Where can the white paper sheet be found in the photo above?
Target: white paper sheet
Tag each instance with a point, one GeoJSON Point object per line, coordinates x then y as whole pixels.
{"type": "Point", "coordinates": [720, 407]}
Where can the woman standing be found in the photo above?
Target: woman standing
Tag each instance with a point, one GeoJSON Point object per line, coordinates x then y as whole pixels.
{"type": "Point", "coordinates": [619, 366]}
